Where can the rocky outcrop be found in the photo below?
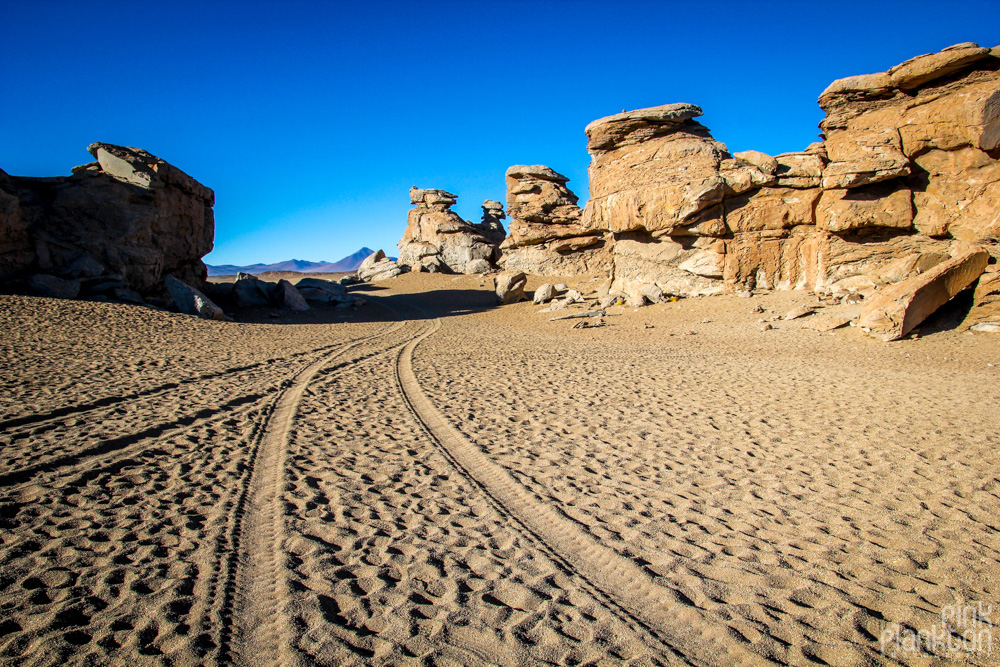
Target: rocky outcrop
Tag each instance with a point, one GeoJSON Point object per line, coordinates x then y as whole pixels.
{"type": "Point", "coordinates": [546, 235]}
{"type": "Point", "coordinates": [906, 173]}
{"type": "Point", "coordinates": [897, 310]}
{"type": "Point", "coordinates": [491, 226]}
{"type": "Point", "coordinates": [437, 239]}
{"type": "Point", "coordinates": [985, 309]}
{"type": "Point", "coordinates": [136, 215]}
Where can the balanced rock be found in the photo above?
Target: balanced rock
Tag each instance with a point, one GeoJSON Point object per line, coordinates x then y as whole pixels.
{"type": "Point", "coordinates": [491, 226]}
{"type": "Point", "coordinates": [509, 286]}
{"type": "Point", "coordinates": [546, 237]}
{"type": "Point", "coordinates": [436, 236]}
{"type": "Point", "coordinates": [894, 311]}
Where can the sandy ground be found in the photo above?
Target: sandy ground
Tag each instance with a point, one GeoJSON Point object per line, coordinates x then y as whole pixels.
{"type": "Point", "coordinates": [430, 480]}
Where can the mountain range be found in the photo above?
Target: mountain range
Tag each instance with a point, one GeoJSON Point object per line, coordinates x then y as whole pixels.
{"type": "Point", "coordinates": [345, 265]}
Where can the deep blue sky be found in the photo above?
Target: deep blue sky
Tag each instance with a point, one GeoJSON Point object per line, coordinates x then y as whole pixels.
{"type": "Point", "coordinates": [311, 120]}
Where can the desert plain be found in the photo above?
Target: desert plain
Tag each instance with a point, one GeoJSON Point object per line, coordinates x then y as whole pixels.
{"type": "Point", "coordinates": [432, 479]}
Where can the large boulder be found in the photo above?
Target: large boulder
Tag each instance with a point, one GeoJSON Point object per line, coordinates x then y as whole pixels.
{"type": "Point", "coordinates": [191, 301]}
{"type": "Point", "coordinates": [436, 236]}
{"type": "Point", "coordinates": [249, 291]}
{"type": "Point", "coordinates": [136, 215]}
{"type": "Point", "coordinates": [290, 298]}
{"type": "Point", "coordinates": [377, 267]}
{"type": "Point", "coordinates": [986, 300]}
{"type": "Point", "coordinates": [895, 311]}
{"type": "Point", "coordinates": [546, 237]}
{"type": "Point", "coordinates": [509, 286]}
{"type": "Point", "coordinates": [53, 286]}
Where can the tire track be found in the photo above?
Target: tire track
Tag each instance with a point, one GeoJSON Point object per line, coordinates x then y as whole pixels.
{"type": "Point", "coordinates": [256, 586]}
{"type": "Point", "coordinates": [127, 444]}
{"type": "Point", "coordinates": [678, 628]}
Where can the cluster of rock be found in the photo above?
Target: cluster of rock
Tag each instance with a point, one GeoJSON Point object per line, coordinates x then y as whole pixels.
{"type": "Point", "coordinates": [905, 177]}
{"type": "Point", "coordinates": [546, 237]}
{"type": "Point", "coordinates": [438, 240]}
{"type": "Point", "coordinates": [249, 291]}
{"type": "Point", "coordinates": [905, 183]}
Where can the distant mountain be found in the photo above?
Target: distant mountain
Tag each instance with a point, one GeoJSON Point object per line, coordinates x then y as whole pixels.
{"type": "Point", "coordinates": [345, 265]}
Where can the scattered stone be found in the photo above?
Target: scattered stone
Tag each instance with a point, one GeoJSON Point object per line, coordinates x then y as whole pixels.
{"type": "Point", "coordinates": [191, 301]}
{"type": "Point", "coordinates": [53, 287]}
{"type": "Point", "coordinates": [896, 310]}
{"type": "Point", "coordinates": [766, 327]}
{"type": "Point", "coordinates": [612, 300]}
{"type": "Point", "coordinates": [757, 309]}
{"type": "Point", "coordinates": [588, 325]}
{"type": "Point", "coordinates": [509, 287]}
{"type": "Point", "coordinates": [561, 287]}
{"type": "Point", "coordinates": [986, 327]}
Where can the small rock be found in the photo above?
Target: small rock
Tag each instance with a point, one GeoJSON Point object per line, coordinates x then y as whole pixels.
{"type": "Point", "coordinates": [744, 295]}
{"type": "Point", "coordinates": [766, 327]}
{"type": "Point", "coordinates": [986, 327]}
{"type": "Point", "coordinates": [561, 287]}
{"type": "Point", "coordinates": [757, 309]}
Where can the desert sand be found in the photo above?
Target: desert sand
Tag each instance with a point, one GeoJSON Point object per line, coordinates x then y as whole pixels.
{"type": "Point", "coordinates": [433, 480]}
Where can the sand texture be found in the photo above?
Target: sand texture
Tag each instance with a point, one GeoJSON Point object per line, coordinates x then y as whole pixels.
{"type": "Point", "coordinates": [432, 480]}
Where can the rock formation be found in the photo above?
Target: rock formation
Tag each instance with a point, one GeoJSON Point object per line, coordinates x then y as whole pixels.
{"type": "Point", "coordinates": [437, 239]}
{"type": "Point", "coordinates": [546, 237]}
{"type": "Point", "coordinates": [132, 213]}
{"type": "Point", "coordinates": [377, 267]}
{"type": "Point", "coordinates": [907, 174]}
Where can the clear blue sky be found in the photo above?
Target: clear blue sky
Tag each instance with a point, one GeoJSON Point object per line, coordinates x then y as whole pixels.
{"type": "Point", "coordinates": [311, 120]}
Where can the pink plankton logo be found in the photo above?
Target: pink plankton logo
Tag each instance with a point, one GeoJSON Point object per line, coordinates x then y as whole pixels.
{"type": "Point", "coordinates": [965, 628]}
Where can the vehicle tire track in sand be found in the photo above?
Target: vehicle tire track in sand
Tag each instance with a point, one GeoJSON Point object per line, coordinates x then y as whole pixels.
{"type": "Point", "coordinates": [680, 629]}
{"type": "Point", "coordinates": [257, 587]}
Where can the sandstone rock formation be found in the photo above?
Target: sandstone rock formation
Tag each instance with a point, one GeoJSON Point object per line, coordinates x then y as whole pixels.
{"type": "Point", "coordinates": [134, 214]}
{"type": "Point", "coordinates": [437, 239]}
{"type": "Point", "coordinates": [906, 175]}
{"type": "Point", "coordinates": [546, 237]}
{"type": "Point", "coordinates": [985, 301]}
{"type": "Point", "coordinates": [378, 267]}
{"type": "Point", "coordinates": [896, 310]}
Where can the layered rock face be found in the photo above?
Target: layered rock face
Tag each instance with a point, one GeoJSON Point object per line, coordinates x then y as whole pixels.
{"type": "Point", "coordinates": [546, 235]}
{"type": "Point", "coordinates": [16, 252]}
{"type": "Point", "coordinates": [133, 214]}
{"type": "Point", "coordinates": [906, 176]}
{"type": "Point", "coordinates": [437, 239]}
